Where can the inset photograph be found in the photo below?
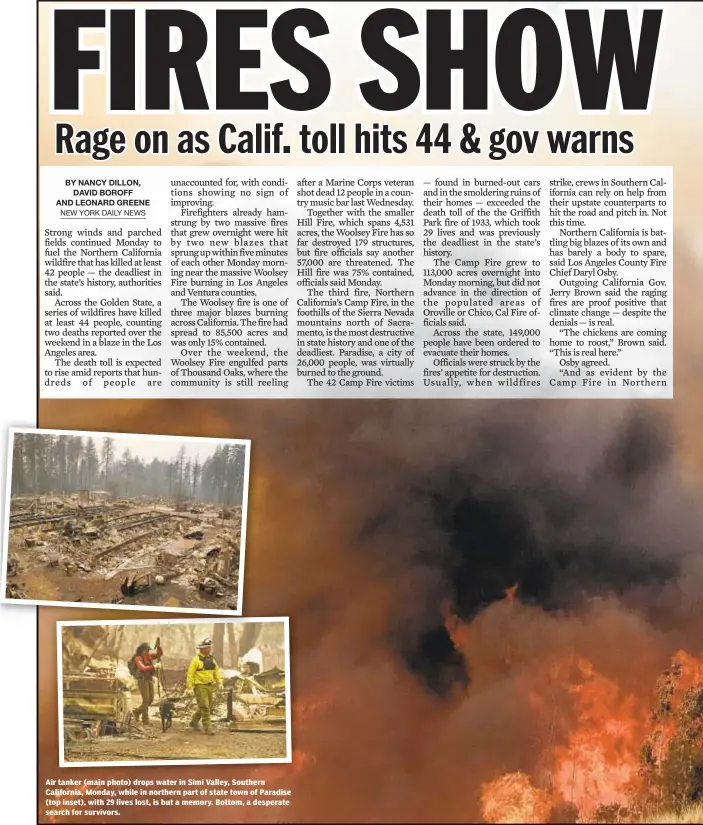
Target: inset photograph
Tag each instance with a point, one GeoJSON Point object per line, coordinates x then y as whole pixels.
{"type": "Point", "coordinates": [136, 521]}
{"type": "Point", "coordinates": [174, 692]}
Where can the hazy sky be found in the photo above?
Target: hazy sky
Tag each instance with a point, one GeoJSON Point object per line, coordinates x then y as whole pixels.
{"type": "Point", "coordinates": [165, 449]}
{"type": "Point", "coordinates": [150, 447]}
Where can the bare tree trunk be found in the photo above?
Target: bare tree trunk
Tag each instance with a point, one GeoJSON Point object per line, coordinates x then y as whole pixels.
{"type": "Point", "coordinates": [187, 632]}
{"type": "Point", "coordinates": [249, 636]}
{"type": "Point", "coordinates": [97, 647]}
{"type": "Point", "coordinates": [218, 642]}
{"type": "Point", "coordinates": [118, 643]}
{"type": "Point", "coordinates": [232, 646]}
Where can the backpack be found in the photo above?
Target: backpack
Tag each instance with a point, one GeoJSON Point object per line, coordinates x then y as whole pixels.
{"type": "Point", "coordinates": [132, 666]}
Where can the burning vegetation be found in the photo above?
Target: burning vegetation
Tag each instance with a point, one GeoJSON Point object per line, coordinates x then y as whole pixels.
{"type": "Point", "coordinates": [495, 608]}
{"type": "Point", "coordinates": [623, 757]}
{"type": "Point", "coordinates": [163, 532]}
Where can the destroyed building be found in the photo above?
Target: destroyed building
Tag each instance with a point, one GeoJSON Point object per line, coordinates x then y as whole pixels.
{"type": "Point", "coordinates": [95, 689]}
{"type": "Point", "coordinates": [175, 541]}
{"type": "Point", "coordinates": [125, 552]}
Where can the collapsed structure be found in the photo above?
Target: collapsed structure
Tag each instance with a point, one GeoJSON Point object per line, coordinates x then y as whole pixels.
{"type": "Point", "coordinates": [257, 701]}
{"type": "Point", "coordinates": [93, 548]}
{"type": "Point", "coordinates": [96, 690]}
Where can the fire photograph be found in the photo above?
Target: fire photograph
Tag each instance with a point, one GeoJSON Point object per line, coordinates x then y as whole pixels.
{"type": "Point", "coordinates": [496, 615]}
{"type": "Point", "coordinates": [130, 520]}
{"type": "Point", "coordinates": [174, 692]}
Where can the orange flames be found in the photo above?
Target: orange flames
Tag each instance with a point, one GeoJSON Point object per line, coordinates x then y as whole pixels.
{"type": "Point", "coordinates": [519, 745]}
{"type": "Point", "coordinates": [597, 731]}
{"type": "Point", "coordinates": [691, 670]}
{"type": "Point", "coordinates": [512, 799]}
{"type": "Point", "coordinates": [598, 765]}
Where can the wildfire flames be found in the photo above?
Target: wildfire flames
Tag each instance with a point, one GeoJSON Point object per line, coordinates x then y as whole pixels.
{"type": "Point", "coordinates": [599, 772]}
{"type": "Point", "coordinates": [599, 763]}
{"type": "Point", "coordinates": [512, 799]}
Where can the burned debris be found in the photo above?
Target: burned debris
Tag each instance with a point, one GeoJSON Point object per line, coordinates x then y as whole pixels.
{"type": "Point", "coordinates": [257, 702]}
{"type": "Point", "coordinates": [126, 551]}
{"type": "Point", "coordinates": [164, 533]}
{"type": "Point", "coordinates": [96, 700]}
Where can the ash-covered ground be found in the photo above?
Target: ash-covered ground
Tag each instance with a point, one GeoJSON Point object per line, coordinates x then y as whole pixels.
{"type": "Point", "coordinates": [137, 551]}
{"type": "Point", "coordinates": [178, 744]}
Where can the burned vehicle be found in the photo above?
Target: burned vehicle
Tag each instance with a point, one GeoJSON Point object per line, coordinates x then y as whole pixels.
{"type": "Point", "coordinates": [257, 701]}
{"type": "Point", "coordinates": [95, 703]}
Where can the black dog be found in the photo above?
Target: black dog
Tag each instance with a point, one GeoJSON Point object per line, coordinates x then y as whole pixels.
{"type": "Point", "coordinates": [166, 711]}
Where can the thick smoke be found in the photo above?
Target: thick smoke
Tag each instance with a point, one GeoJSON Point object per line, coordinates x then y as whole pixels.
{"type": "Point", "coordinates": [512, 506]}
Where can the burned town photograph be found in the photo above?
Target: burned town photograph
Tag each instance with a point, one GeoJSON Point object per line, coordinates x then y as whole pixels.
{"type": "Point", "coordinates": [132, 520]}
{"type": "Point", "coordinates": [174, 691]}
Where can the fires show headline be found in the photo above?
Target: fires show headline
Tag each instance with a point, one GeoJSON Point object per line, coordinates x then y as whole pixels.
{"type": "Point", "coordinates": [153, 61]}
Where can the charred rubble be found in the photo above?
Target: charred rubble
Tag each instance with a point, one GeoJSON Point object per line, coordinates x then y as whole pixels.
{"type": "Point", "coordinates": [129, 550]}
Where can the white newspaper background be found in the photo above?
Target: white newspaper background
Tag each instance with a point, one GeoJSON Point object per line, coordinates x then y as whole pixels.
{"type": "Point", "coordinates": [420, 282]}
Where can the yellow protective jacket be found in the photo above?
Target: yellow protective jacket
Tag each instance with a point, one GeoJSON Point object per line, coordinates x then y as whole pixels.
{"type": "Point", "coordinates": [203, 671]}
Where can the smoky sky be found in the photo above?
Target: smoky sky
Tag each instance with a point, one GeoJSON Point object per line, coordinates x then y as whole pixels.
{"type": "Point", "coordinates": [597, 512]}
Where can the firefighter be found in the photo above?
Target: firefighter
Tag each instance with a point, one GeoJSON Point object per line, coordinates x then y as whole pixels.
{"type": "Point", "coordinates": [203, 679]}
{"type": "Point", "coordinates": [145, 663]}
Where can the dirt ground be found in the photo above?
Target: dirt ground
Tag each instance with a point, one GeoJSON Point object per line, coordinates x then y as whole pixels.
{"type": "Point", "coordinates": [180, 743]}
{"type": "Point", "coordinates": [47, 565]}
{"type": "Point", "coordinates": [52, 584]}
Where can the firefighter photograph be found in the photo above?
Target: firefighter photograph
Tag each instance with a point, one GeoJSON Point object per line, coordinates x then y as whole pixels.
{"type": "Point", "coordinates": [183, 691]}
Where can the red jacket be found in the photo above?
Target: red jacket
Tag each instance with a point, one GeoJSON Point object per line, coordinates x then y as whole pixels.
{"type": "Point", "coordinates": [145, 663]}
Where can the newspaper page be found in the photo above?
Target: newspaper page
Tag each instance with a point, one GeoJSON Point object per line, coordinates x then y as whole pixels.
{"type": "Point", "coordinates": [367, 481]}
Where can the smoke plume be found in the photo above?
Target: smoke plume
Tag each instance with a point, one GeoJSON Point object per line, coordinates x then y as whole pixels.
{"type": "Point", "coordinates": [514, 506]}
